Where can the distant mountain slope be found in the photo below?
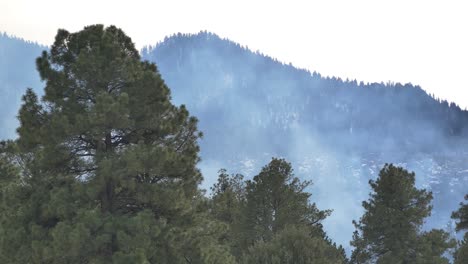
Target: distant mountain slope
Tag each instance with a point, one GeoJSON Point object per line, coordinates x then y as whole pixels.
{"type": "Point", "coordinates": [220, 78]}
{"type": "Point", "coordinates": [337, 133]}
{"type": "Point", "coordinates": [17, 72]}
{"type": "Point", "coordinates": [251, 107]}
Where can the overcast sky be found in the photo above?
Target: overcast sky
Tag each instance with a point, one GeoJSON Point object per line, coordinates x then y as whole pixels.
{"type": "Point", "coordinates": [422, 42]}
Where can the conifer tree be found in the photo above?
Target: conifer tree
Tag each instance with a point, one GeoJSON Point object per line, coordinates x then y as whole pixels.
{"type": "Point", "coordinates": [294, 245]}
{"type": "Point", "coordinates": [461, 254]}
{"type": "Point", "coordinates": [108, 171]}
{"type": "Point", "coordinates": [276, 198]}
{"type": "Point", "coordinates": [228, 196]}
{"type": "Point", "coordinates": [269, 212]}
{"type": "Point", "coordinates": [389, 230]}
{"type": "Point", "coordinates": [227, 206]}
{"type": "Point", "coordinates": [11, 232]}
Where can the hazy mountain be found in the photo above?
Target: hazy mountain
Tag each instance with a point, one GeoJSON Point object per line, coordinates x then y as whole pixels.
{"type": "Point", "coordinates": [251, 107]}
{"type": "Point", "coordinates": [337, 133]}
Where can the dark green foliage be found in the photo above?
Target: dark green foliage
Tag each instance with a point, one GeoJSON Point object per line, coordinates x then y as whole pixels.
{"type": "Point", "coordinates": [294, 245]}
{"type": "Point", "coordinates": [461, 255]}
{"type": "Point", "coordinates": [227, 206]}
{"type": "Point", "coordinates": [108, 163]}
{"type": "Point", "coordinates": [432, 245]}
{"type": "Point", "coordinates": [12, 234]}
{"type": "Point", "coordinates": [462, 216]}
{"type": "Point", "coordinates": [228, 196]}
{"type": "Point", "coordinates": [267, 214]}
{"type": "Point", "coordinates": [389, 230]}
{"type": "Point", "coordinates": [275, 199]}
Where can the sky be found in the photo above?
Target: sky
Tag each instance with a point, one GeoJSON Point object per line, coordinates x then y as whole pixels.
{"type": "Point", "coordinates": [409, 41]}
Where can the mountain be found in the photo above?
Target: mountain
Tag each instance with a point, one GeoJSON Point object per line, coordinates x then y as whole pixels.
{"type": "Point", "coordinates": [337, 133]}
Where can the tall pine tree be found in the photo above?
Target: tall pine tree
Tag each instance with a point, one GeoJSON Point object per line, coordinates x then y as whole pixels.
{"type": "Point", "coordinates": [108, 163]}
{"type": "Point", "coordinates": [389, 231]}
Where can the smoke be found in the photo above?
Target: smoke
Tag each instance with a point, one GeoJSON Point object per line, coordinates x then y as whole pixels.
{"type": "Point", "coordinates": [337, 133]}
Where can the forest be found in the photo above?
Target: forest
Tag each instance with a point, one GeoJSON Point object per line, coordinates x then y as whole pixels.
{"type": "Point", "coordinates": [104, 170]}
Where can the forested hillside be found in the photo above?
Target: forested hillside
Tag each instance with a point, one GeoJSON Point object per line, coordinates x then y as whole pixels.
{"type": "Point", "coordinates": [269, 93]}
{"type": "Point", "coordinates": [338, 133]}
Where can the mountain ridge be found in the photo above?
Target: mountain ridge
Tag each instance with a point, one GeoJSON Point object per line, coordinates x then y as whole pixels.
{"type": "Point", "coordinates": [204, 33]}
{"type": "Point", "coordinates": [334, 84]}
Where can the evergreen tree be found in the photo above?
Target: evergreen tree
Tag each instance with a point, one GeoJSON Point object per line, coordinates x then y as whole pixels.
{"type": "Point", "coordinates": [12, 234]}
{"type": "Point", "coordinates": [294, 245]}
{"type": "Point", "coordinates": [461, 254]}
{"type": "Point", "coordinates": [108, 171]}
{"type": "Point", "coordinates": [462, 216]}
{"type": "Point", "coordinates": [275, 199]}
{"type": "Point", "coordinates": [259, 211]}
{"type": "Point", "coordinates": [228, 196]}
{"type": "Point", "coordinates": [432, 245]}
{"type": "Point", "coordinates": [389, 230]}
{"type": "Point", "coordinates": [227, 205]}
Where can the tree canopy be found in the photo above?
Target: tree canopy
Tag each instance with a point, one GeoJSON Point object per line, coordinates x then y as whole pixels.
{"type": "Point", "coordinates": [108, 163]}
{"type": "Point", "coordinates": [461, 254]}
{"type": "Point", "coordinates": [389, 231]}
{"type": "Point", "coordinates": [272, 219]}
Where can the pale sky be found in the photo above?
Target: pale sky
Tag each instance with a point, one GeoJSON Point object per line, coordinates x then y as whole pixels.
{"type": "Point", "coordinates": [422, 42]}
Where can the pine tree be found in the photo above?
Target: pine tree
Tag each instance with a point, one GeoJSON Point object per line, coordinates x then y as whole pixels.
{"type": "Point", "coordinates": [227, 206]}
{"type": "Point", "coordinates": [275, 199]}
{"type": "Point", "coordinates": [432, 245]}
{"type": "Point", "coordinates": [268, 212]}
{"type": "Point", "coordinates": [294, 245]}
{"type": "Point", "coordinates": [389, 230]}
{"type": "Point", "coordinates": [12, 234]}
{"type": "Point", "coordinates": [228, 196]}
{"type": "Point", "coordinates": [462, 216]}
{"type": "Point", "coordinates": [461, 254]}
{"type": "Point", "coordinates": [108, 163]}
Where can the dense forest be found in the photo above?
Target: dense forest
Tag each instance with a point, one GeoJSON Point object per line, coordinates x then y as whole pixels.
{"type": "Point", "coordinates": [104, 168]}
